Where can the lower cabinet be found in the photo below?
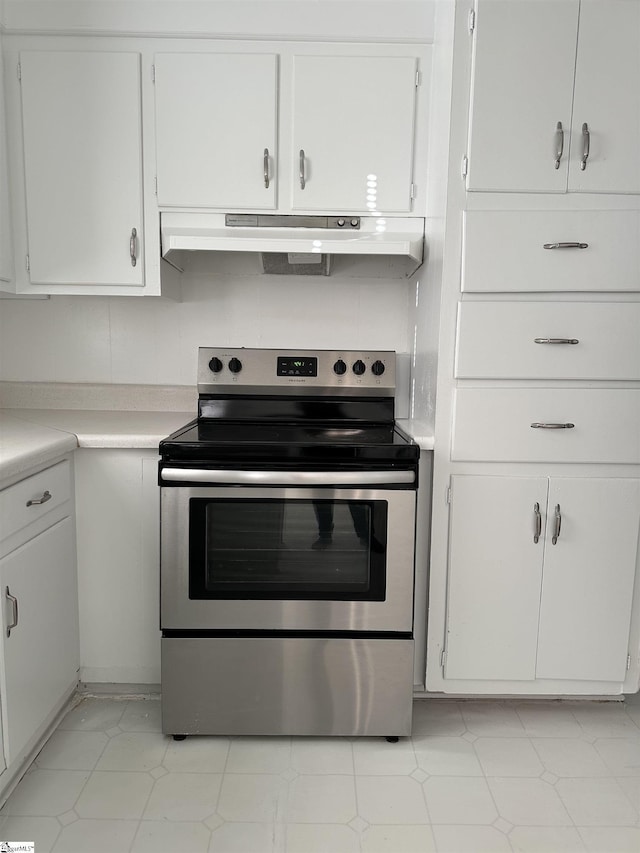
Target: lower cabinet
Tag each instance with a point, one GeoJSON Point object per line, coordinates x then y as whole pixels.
{"type": "Point", "coordinates": [541, 577]}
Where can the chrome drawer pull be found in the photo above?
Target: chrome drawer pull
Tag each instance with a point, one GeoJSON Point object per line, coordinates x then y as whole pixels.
{"type": "Point", "coordinates": [46, 496]}
{"type": "Point", "coordinates": [556, 341]}
{"type": "Point", "coordinates": [303, 180]}
{"type": "Point", "coordinates": [133, 246]}
{"type": "Point", "coordinates": [537, 523]}
{"type": "Point", "coordinates": [552, 426]}
{"type": "Point", "coordinates": [565, 246]}
{"type": "Point", "coordinates": [14, 605]}
{"type": "Point", "coordinates": [556, 532]}
{"type": "Point", "coordinates": [559, 140]}
{"type": "Point", "coordinates": [266, 168]}
{"type": "Point", "coordinates": [586, 141]}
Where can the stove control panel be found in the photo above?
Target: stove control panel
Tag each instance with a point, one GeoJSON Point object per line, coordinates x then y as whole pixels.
{"type": "Point", "coordinates": [253, 371]}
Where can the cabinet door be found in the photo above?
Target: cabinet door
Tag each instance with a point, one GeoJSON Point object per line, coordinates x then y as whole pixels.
{"type": "Point", "coordinates": [589, 574]}
{"type": "Point", "coordinates": [216, 129]}
{"type": "Point", "coordinates": [495, 574]}
{"type": "Point", "coordinates": [607, 98]}
{"type": "Point", "coordinates": [82, 150]}
{"type": "Point", "coordinates": [41, 653]}
{"type": "Point", "coordinates": [353, 130]}
{"type": "Point", "coordinates": [522, 86]}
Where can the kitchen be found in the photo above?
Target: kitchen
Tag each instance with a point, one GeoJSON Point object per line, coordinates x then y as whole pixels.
{"type": "Point", "coordinates": [112, 353]}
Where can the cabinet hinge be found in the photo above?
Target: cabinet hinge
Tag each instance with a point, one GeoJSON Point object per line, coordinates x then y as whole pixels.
{"type": "Point", "coordinates": [448, 494]}
{"type": "Point", "coordinates": [465, 166]}
{"type": "Point", "coordinates": [418, 78]}
{"type": "Point", "coordinates": [153, 73]}
{"type": "Point", "coordinates": [412, 191]}
{"type": "Point", "coordinates": [628, 662]}
{"type": "Point", "coordinates": [443, 657]}
{"type": "Point", "coordinates": [27, 262]}
{"type": "Point", "coordinates": [155, 183]}
{"type": "Point", "coordinates": [19, 71]}
{"type": "Point", "coordinates": [472, 20]}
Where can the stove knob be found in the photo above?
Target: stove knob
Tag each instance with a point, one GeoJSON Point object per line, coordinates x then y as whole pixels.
{"type": "Point", "coordinates": [235, 365]}
{"type": "Point", "coordinates": [359, 368]}
{"type": "Point", "coordinates": [215, 365]}
{"type": "Point", "coordinates": [377, 368]}
{"type": "Point", "coordinates": [339, 367]}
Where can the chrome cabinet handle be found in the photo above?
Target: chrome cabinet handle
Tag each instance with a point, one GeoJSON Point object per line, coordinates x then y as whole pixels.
{"type": "Point", "coordinates": [14, 616]}
{"type": "Point", "coordinates": [46, 496]}
{"type": "Point", "coordinates": [565, 246]}
{"type": "Point", "coordinates": [303, 180]}
{"type": "Point", "coordinates": [556, 341]}
{"type": "Point", "coordinates": [559, 140]}
{"type": "Point", "coordinates": [558, 525]}
{"type": "Point", "coordinates": [266, 168]}
{"type": "Point", "coordinates": [586, 139]}
{"type": "Point", "coordinates": [552, 426]}
{"type": "Point", "coordinates": [537, 523]}
{"type": "Point", "coordinates": [133, 246]}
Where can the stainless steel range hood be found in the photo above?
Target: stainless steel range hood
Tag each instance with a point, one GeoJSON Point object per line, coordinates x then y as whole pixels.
{"type": "Point", "coordinates": [297, 236]}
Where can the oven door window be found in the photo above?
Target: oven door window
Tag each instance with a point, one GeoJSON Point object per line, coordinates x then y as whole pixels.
{"type": "Point", "coordinates": [287, 549]}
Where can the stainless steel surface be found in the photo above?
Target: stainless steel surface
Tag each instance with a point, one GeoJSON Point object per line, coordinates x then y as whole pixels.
{"type": "Point", "coordinates": [552, 426]}
{"type": "Point", "coordinates": [178, 611]}
{"type": "Point", "coordinates": [14, 617]}
{"type": "Point", "coordinates": [258, 374]}
{"type": "Point", "coordinates": [133, 246]}
{"type": "Point", "coordinates": [586, 141]}
{"type": "Point", "coordinates": [303, 180]}
{"type": "Point", "coordinates": [266, 168]}
{"type": "Point", "coordinates": [556, 341]}
{"type": "Point", "coordinates": [287, 686]}
{"type": "Point", "coordinates": [559, 144]}
{"type": "Point", "coordinates": [288, 478]}
{"type": "Point", "coordinates": [277, 220]}
{"type": "Point", "coordinates": [46, 496]}
{"type": "Point", "coordinates": [565, 246]}
{"type": "Point", "coordinates": [537, 523]}
{"type": "Point", "coordinates": [558, 525]}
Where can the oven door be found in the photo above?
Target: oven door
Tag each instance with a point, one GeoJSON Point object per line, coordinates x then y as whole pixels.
{"type": "Point", "coordinates": [251, 558]}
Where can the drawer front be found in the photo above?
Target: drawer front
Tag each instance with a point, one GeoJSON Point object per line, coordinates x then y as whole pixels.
{"type": "Point", "coordinates": [497, 340]}
{"type": "Point", "coordinates": [17, 512]}
{"type": "Point", "coordinates": [503, 251]}
{"type": "Point", "coordinates": [494, 425]}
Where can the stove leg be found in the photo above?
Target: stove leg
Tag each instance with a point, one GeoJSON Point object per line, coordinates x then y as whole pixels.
{"type": "Point", "coordinates": [183, 737]}
{"type": "Point", "coordinates": [389, 739]}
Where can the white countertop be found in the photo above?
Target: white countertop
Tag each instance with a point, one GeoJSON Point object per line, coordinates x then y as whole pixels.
{"type": "Point", "coordinates": [25, 445]}
{"type": "Point", "coordinates": [420, 431]}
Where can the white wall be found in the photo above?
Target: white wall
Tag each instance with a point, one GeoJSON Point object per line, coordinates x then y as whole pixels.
{"type": "Point", "coordinates": [225, 302]}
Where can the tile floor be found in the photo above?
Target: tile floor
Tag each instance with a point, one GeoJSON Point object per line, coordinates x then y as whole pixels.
{"type": "Point", "coordinates": [475, 776]}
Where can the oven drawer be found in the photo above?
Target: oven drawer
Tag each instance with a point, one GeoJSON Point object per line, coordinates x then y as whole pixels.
{"type": "Point", "coordinates": [287, 686]}
{"type": "Point", "coordinates": [494, 425]}
{"type": "Point", "coordinates": [504, 251]}
{"type": "Point", "coordinates": [548, 340]}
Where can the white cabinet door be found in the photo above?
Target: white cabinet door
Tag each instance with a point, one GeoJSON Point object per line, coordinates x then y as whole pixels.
{"type": "Point", "coordinates": [523, 71]}
{"type": "Point", "coordinates": [216, 119]}
{"type": "Point", "coordinates": [607, 98]}
{"type": "Point", "coordinates": [41, 653]}
{"type": "Point", "coordinates": [353, 130]}
{"type": "Point", "coordinates": [495, 574]}
{"type": "Point", "coordinates": [589, 573]}
{"type": "Point", "coordinates": [6, 259]}
{"type": "Point", "coordinates": [81, 116]}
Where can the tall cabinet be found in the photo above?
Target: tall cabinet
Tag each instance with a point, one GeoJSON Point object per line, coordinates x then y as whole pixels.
{"type": "Point", "coordinates": [534, 571]}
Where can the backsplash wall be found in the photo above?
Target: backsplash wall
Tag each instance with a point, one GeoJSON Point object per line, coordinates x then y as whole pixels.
{"type": "Point", "coordinates": [226, 301]}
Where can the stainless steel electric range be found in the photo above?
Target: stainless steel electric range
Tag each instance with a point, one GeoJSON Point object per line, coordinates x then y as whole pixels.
{"type": "Point", "coordinates": [287, 549]}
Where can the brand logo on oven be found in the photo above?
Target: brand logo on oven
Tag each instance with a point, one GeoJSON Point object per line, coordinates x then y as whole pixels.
{"type": "Point", "coordinates": [297, 381]}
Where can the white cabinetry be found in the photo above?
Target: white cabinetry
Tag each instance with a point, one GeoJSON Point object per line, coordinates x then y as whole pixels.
{"type": "Point", "coordinates": [39, 606]}
{"type": "Point", "coordinates": [555, 103]}
{"type": "Point", "coordinates": [541, 577]}
{"type": "Point", "coordinates": [288, 128]}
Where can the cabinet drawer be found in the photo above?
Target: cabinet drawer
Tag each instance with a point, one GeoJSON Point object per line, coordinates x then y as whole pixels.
{"type": "Point", "coordinates": [494, 425]}
{"type": "Point", "coordinates": [503, 251]}
{"type": "Point", "coordinates": [15, 513]}
{"type": "Point", "coordinates": [497, 340]}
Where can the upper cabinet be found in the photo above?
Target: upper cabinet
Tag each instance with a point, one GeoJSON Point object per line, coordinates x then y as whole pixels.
{"type": "Point", "coordinates": [555, 105]}
{"type": "Point", "coordinates": [292, 131]}
{"type": "Point", "coordinates": [216, 129]}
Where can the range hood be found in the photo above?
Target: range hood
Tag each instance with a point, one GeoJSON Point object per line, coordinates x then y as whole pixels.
{"type": "Point", "coordinates": [298, 236]}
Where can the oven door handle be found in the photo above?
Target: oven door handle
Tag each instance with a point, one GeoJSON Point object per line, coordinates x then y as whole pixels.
{"type": "Point", "coordinates": [287, 478]}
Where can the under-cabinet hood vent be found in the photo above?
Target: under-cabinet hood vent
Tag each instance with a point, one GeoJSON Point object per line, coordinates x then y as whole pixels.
{"type": "Point", "coordinates": [298, 238]}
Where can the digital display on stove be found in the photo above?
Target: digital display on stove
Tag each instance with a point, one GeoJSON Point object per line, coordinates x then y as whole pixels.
{"type": "Point", "coordinates": [294, 365]}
